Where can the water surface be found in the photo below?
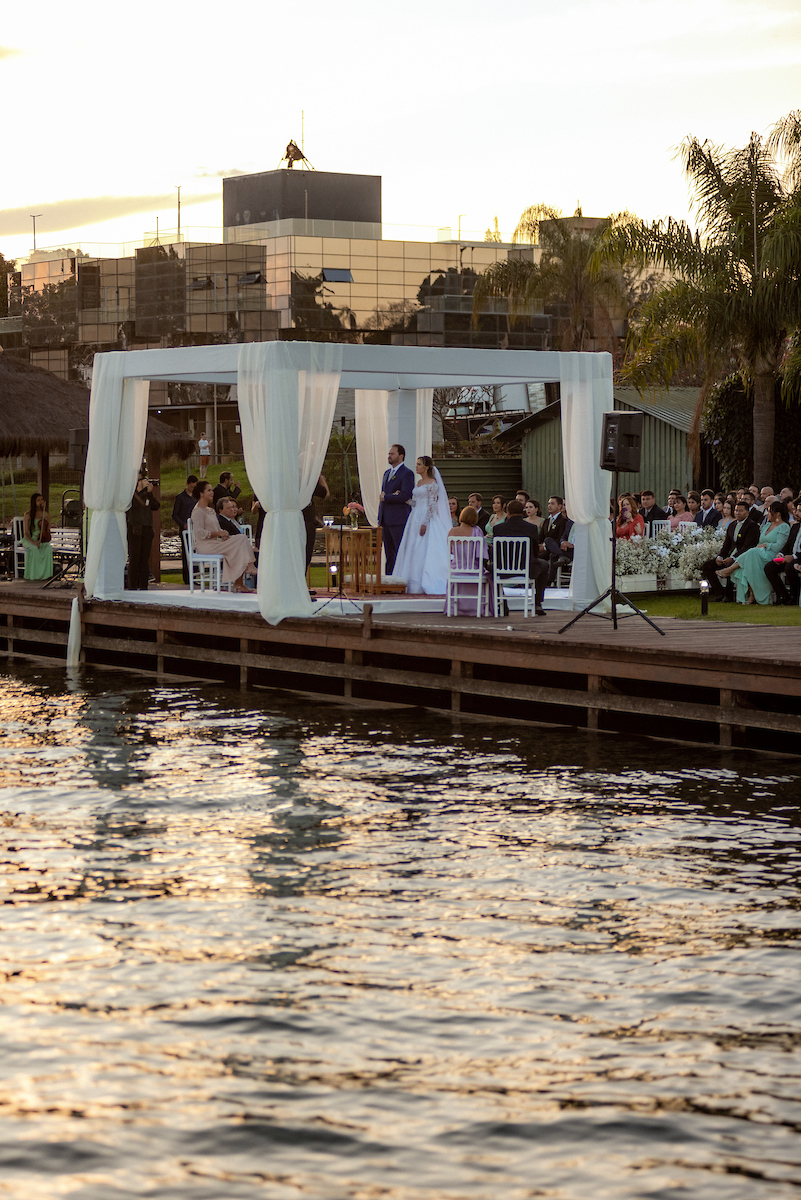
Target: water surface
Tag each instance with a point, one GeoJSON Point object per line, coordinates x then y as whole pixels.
{"type": "Point", "coordinates": [257, 948]}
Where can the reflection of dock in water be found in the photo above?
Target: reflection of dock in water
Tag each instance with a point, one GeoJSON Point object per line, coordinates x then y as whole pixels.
{"type": "Point", "coordinates": [721, 684]}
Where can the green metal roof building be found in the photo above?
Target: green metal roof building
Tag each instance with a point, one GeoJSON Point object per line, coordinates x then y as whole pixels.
{"type": "Point", "coordinates": [666, 459]}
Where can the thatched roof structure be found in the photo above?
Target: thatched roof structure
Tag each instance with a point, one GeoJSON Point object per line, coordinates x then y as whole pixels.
{"type": "Point", "coordinates": [38, 410]}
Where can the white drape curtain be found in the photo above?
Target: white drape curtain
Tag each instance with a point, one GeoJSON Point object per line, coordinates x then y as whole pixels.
{"type": "Point", "coordinates": [425, 420]}
{"type": "Point", "coordinates": [586, 394]}
{"type": "Point", "coordinates": [372, 443]}
{"type": "Point", "coordinates": [117, 425]}
{"type": "Point", "coordinates": [287, 396]}
{"type": "Point", "coordinates": [372, 440]}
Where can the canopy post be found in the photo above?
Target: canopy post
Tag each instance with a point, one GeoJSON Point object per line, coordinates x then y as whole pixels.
{"type": "Point", "coordinates": [154, 471]}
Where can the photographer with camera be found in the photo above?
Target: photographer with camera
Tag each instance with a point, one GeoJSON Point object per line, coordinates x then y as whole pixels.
{"type": "Point", "coordinates": [139, 517]}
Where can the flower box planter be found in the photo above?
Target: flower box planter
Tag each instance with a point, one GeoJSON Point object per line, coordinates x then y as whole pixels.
{"type": "Point", "coordinates": [636, 583]}
{"type": "Point", "coordinates": [675, 581]}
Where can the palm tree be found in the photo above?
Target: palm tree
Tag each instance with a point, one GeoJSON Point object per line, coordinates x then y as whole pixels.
{"type": "Point", "coordinates": [563, 275]}
{"type": "Point", "coordinates": [734, 292]}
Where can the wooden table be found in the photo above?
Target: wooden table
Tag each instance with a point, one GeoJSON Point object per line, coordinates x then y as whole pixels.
{"type": "Point", "coordinates": [357, 545]}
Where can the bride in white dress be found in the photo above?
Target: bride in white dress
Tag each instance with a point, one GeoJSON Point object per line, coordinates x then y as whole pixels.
{"type": "Point", "coordinates": [423, 553]}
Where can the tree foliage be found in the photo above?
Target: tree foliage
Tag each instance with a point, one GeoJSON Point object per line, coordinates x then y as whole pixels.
{"type": "Point", "coordinates": [586, 298]}
{"type": "Point", "coordinates": [733, 289]}
{"type": "Point", "coordinates": [727, 426]}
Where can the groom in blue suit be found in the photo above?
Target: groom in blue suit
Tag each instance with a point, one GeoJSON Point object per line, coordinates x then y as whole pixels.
{"type": "Point", "coordinates": [393, 509]}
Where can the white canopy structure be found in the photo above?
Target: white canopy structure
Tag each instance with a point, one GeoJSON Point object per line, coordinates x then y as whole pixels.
{"type": "Point", "coordinates": [287, 394]}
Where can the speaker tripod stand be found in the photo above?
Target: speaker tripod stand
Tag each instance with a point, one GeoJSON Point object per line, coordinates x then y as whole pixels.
{"type": "Point", "coordinates": [613, 594]}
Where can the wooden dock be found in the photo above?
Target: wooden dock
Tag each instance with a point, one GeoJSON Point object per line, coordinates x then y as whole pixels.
{"type": "Point", "coordinates": [718, 683]}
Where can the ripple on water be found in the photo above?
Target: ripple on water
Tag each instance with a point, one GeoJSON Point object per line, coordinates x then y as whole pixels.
{"type": "Point", "coordinates": [256, 947]}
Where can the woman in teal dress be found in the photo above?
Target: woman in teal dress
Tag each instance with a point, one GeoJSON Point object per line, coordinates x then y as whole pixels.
{"type": "Point", "coordinates": [36, 540]}
{"type": "Point", "coordinates": [748, 573]}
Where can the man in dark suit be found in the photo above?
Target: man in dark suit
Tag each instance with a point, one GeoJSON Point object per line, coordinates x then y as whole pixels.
{"type": "Point", "coordinates": [783, 577]}
{"type": "Point", "coordinates": [226, 514]}
{"type": "Point", "coordinates": [393, 508]}
{"type": "Point", "coordinates": [476, 500]}
{"type": "Point", "coordinates": [552, 530]}
{"type": "Point", "coordinates": [226, 487]}
{"type": "Point", "coordinates": [707, 516]}
{"type": "Point", "coordinates": [516, 525]}
{"type": "Point", "coordinates": [651, 511]}
{"type": "Point", "coordinates": [741, 535]}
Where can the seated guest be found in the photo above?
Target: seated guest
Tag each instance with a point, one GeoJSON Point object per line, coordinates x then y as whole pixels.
{"type": "Point", "coordinates": [565, 555]}
{"type": "Point", "coordinates": [726, 514]}
{"type": "Point", "coordinates": [650, 510]}
{"type": "Point", "coordinates": [36, 540]}
{"type": "Point", "coordinates": [467, 526]}
{"type": "Point", "coordinates": [783, 576]}
{"type": "Point", "coordinates": [672, 494]}
{"type": "Point", "coordinates": [741, 535]}
{"type": "Point", "coordinates": [693, 503]}
{"type": "Point", "coordinates": [226, 487]}
{"type": "Point", "coordinates": [629, 522]}
{"type": "Point", "coordinates": [552, 529]}
{"type": "Point", "coordinates": [532, 513]}
{"type": "Point", "coordinates": [538, 517]}
{"type": "Point", "coordinates": [522, 497]}
{"type": "Point", "coordinates": [516, 525]}
{"type": "Point", "coordinates": [748, 572]}
{"type": "Point", "coordinates": [707, 516]}
{"type": "Point", "coordinates": [453, 504]}
{"type": "Point", "coordinates": [226, 516]}
{"type": "Point", "coordinates": [498, 514]}
{"type": "Point", "coordinates": [680, 514]}
{"type": "Point", "coordinates": [475, 500]}
{"type": "Point", "coordinates": [209, 538]}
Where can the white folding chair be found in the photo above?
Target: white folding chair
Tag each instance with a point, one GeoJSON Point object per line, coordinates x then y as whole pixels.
{"type": "Point", "coordinates": [18, 529]}
{"type": "Point", "coordinates": [209, 566]}
{"type": "Point", "coordinates": [510, 563]}
{"type": "Point", "coordinates": [466, 575]}
{"type": "Point", "coordinates": [659, 527]}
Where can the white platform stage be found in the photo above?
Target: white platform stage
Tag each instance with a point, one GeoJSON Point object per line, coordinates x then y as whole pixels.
{"type": "Point", "coordinates": [556, 599]}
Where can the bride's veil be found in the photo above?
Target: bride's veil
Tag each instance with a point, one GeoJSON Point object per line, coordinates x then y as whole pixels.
{"type": "Point", "coordinates": [443, 507]}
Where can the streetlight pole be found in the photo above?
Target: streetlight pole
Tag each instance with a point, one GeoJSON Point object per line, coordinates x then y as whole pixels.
{"type": "Point", "coordinates": [33, 218]}
{"type": "Point", "coordinates": [178, 185]}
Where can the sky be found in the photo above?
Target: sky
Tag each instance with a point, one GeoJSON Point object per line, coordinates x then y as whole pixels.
{"type": "Point", "coordinates": [467, 110]}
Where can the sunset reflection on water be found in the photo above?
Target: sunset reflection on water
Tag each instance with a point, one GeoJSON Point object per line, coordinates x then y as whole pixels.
{"type": "Point", "coordinates": [257, 947]}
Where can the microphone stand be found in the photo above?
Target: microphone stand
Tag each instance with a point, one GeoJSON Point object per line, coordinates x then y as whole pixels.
{"type": "Point", "coordinates": [345, 468]}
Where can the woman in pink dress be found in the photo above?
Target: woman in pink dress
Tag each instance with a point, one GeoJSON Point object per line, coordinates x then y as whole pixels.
{"type": "Point", "coordinates": [209, 538]}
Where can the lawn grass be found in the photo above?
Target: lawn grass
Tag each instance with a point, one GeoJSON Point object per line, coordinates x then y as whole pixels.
{"type": "Point", "coordinates": [686, 606]}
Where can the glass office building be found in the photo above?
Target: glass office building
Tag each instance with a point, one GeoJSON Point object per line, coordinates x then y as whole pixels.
{"type": "Point", "coordinates": [328, 275]}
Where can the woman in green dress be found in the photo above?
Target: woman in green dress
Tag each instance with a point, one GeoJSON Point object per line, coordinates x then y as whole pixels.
{"type": "Point", "coordinates": [36, 540]}
{"type": "Point", "coordinates": [748, 572]}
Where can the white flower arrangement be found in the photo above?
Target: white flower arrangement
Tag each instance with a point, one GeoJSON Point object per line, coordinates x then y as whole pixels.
{"type": "Point", "coordinates": [685, 549]}
{"type": "Point", "coordinates": [698, 550]}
